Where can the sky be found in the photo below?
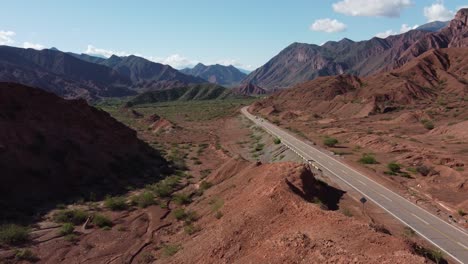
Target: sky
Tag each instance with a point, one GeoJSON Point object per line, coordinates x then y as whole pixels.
{"type": "Point", "coordinates": [244, 33]}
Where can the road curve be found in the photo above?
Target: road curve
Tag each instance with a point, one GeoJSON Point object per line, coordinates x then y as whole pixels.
{"type": "Point", "coordinates": [450, 239]}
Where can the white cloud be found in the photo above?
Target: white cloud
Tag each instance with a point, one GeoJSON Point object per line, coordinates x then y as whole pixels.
{"type": "Point", "coordinates": [384, 8]}
{"type": "Point", "coordinates": [29, 45]}
{"type": "Point", "coordinates": [6, 37]}
{"type": "Point", "coordinates": [175, 60]}
{"type": "Point", "coordinates": [235, 63]}
{"type": "Point", "coordinates": [438, 12]}
{"type": "Point", "coordinates": [385, 34]}
{"type": "Point", "coordinates": [328, 25]}
{"type": "Point", "coordinates": [405, 28]}
{"type": "Point", "coordinates": [91, 50]}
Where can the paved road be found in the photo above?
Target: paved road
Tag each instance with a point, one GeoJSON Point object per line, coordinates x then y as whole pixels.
{"type": "Point", "coordinates": [450, 239]}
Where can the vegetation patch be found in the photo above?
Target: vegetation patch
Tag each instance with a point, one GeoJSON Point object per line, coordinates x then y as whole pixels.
{"type": "Point", "coordinates": [26, 255]}
{"type": "Point", "coordinates": [12, 234]}
{"type": "Point", "coordinates": [143, 200]}
{"type": "Point", "coordinates": [74, 216]}
{"type": "Point", "coordinates": [66, 229]}
{"type": "Point", "coordinates": [102, 221]}
{"type": "Point", "coordinates": [368, 158]}
{"type": "Point", "coordinates": [170, 250]}
{"type": "Point", "coordinates": [116, 203]}
{"type": "Point", "coordinates": [330, 142]}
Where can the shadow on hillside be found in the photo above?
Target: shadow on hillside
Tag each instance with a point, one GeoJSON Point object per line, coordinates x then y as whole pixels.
{"type": "Point", "coordinates": [316, 191]}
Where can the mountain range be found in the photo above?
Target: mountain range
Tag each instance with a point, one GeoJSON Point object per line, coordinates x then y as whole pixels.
{"type": "Point", "coordinates": [72, 75]}
{"type": "Point", "coordinates": [301, 62]}
{"type": "Point", "coordinates": [219, 74]}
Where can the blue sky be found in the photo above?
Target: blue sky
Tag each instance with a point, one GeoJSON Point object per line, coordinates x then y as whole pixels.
{"type": "Point", "coordinates": [180, 33]}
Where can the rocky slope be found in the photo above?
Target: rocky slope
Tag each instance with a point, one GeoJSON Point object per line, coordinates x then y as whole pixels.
{"type": "Point", "coordinates": [436, 74]}
{"type": "Point", "coordinates": [61, 73]}
{"type": "Point", "coordinates": [414, 115]}
{"type": "Point", "coordinates": [219, 74]}
{"type": "Point", "coordinates": [148, 75]}
{"type": "Point", "coordinates": [301, 62]}
{"type": "Point", "coordinates": [185, 93]}
{"type": "Point", "coordinates": [53, 149]}
{"type": "Point", "coordinates": [269, 216]}
{"type": "Point", "coordinates": [249, 89]}
{"type": "Point", "coordinates": [72, 75]}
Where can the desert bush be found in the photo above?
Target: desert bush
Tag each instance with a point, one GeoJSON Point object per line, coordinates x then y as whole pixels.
{"type": "Point", "coordinates": [12, 234]}
{"type": "Point", "coordinates": [191, 229]}
{"type": "Point", "coordinates": [461, 212]}
{"type": "Point", "coordinates": [179, 213]}
{"type": "Point", "coordinates": [25, 254]}
{"type": "Point", "coordinates": [218, 215]}
{"type": "Point", "coordinates": [102, 221]}
{"type": "Point", "coordinates": [368, 159]}
{"type": "Point", "coordinates": [427, 124]}
{"type": "Point", "coordinates": [74, 216]}
{"type": "Point", "coordinates": [181, 198]}
{"type": "Point", "coordinates": [170, 250]}
{"type": "Point", "coordinates": [143, 200]}
{"type": "Point", "coordinates": [330, 142]}
{"type": "Point", "coordinates": [277, 141]}
{"type": "Point", "coordinates": [423, 170]}
{"type": "Point", "coordinates": [408, 232]}
{"type": "Point", "coordinates": [66, 229]}
{"type": "Point", "coordinates": [116, 203]}
{"type": "Point", "coordinates": [347, 212]}
{"type": "Point", "coordinates": [394, 167]}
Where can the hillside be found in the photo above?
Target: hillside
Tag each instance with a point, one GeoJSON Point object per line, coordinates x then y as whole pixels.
{"type": "Point", "coordinates": [219, 74]}
{"type": "Point", "coordinates": [61, 73]}
{"type": "Point", "coordinates": [300, 62]}
{"type": "Point", "coordinates": [186, 93]}
{"type": "Point", "coordinates": [414, 116]}
{"type": "Point", "coordinates": [249, 89]}
{"type": "Point", "coordinates": [436, 74]}
{"type": "Point", "coordinates": [63, 150]}
{"type": "Point", "coordinates": [148, 75]}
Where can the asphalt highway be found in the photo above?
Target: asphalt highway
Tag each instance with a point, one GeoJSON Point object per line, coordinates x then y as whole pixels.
{"type": "Point", "coordinates": [452, 240]}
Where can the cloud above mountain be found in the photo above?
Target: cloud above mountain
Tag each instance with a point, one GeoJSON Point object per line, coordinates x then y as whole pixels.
{"type": "Point", "coordinates": [438, 12]}
{"type": "Point", "coordinates": [36, 46]}
{"type": "Point", "coordinates": [328, 25]}
{"type": "Point", "coordinates": [404, 28]}
{"type": "Point", "coordinates": [6, 37]}
{"type": "Point", "coordinates": [382, 8]}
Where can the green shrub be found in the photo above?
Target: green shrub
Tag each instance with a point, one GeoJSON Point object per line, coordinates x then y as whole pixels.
{"type": "Point", "coordinates": [102, 221]}
{"type": "Point", "coordinates": [191, 216]}
{"type": "Point", "coordinates": [25, 254]}
{"type": "Point", "coordinates": [218, 215]}
{"type": "Point", "coordinates": [259, 147]}
{"type": "Point", "coordinates": [347, 212]}
{"type": "Point", "coordinates": [12, 234]}
{"type": "Point", "coordinates": [116, 203]}
{"type": "Point", "coordinates": [181, 198]}
{"type": "Point", "coordinates": [143, 200]}
{"type": "Point", "coordinates": [66, 229]}
{"type": "Point", "coordinates": [179, 213]}
{"type": "Point", "coordinates": [170, 250]}
{"type": "Point", "coordinates": [408, 232]}
{"type": "Point", "coordinates": [461, 212]}
{"type": "Point", "coordinates": [277, 141]}
{"type": "Point", "coordinates": [394, 167]}
{"type": "Point", "coordinates": [74, 216]}
{"type": "Point", "coordinates": [216, 204]}
{"type": "Point", "coordinates": [368, 159]}
{"type": "Point", "coordinates": [205, 185]}
{"type": "Point", "coordinates": [427, 124]}
{"type": "Point", "coordinates": [330, 142]}
{"type": "Point", "coordinates": [191, 229]}
{"type": "Point", "coordinates": [423, 170]}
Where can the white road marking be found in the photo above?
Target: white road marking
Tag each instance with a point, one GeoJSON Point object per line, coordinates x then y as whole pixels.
{"type": "Point", "coordinates": [385, 197]}
{"type": "Point", "coordinates": [363, 183]}
{"type": "Point", "coordinates": [420, 219]}
{"type": "Point", "coordinates": [466, 248]}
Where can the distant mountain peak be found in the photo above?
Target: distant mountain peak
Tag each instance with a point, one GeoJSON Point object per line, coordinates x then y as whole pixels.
{"type": "Point", "coordinates": [217, 73]}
